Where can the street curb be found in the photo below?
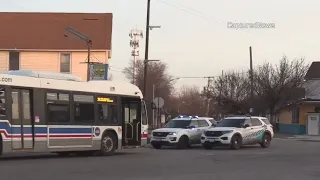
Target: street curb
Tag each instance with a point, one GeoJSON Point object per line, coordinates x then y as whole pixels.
{"type": "Point", "coordinates": [308, 140]}
{"type": "Point", "coordinates": [299, 139]}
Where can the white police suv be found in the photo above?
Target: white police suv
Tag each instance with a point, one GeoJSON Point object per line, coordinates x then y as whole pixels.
{"type": "Point", "coordinates": [181, 132]}
{"type": "Point", "coordinates": [237, 131]}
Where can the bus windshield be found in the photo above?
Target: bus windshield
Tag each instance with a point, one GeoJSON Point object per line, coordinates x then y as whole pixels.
{"type": "Point", "coordinates": [231, 123]}
{"type": "Point", "coordinates": [178, 124]}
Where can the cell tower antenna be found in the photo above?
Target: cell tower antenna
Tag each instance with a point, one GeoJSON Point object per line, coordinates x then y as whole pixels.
{"type": "Point", "coordinates": [135, 35]}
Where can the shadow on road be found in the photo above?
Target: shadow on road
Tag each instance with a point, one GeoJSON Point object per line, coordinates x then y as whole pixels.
{"type": "Point", "coordinates": [214, 148]}
{"type": "Point", "coordinates": [54, 156]}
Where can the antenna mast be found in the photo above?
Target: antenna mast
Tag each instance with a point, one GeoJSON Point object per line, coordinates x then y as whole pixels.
{"type": "Point", "coordinates": [135, 36]}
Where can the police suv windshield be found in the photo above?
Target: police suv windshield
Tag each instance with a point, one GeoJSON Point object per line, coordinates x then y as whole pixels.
{"type": "Point", "coordinates": [238, 123]}
{"type": "Point", "coordinates": [178, 124]}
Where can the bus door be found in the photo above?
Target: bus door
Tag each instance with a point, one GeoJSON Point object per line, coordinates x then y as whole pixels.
{"type": "Point", "coordinates": [131, 122]}
{"type": "Point", "coordinates": [144, 124]}
{"type": "Point", "coordinates": [22, 126]}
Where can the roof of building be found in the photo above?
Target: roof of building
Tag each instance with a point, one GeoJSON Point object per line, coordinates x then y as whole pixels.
{"type": "Point", "coordinates": [39, 31]}
{"type": "Point", "coordinates": [312, 88]}
{"type": "Point", "coordinates": [313, 71]}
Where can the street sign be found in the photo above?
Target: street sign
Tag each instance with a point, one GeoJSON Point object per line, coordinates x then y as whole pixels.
{"type": "Point", "coordinates": [158, 102]}
{"type": "Point", "coordinates": [99, 71]}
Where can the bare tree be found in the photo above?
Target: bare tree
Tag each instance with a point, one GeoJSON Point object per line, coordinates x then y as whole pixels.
{"type": "Point", "coordinates": [190, 101]}
{"type": "Point", "coordinates": [273, 83]}
{"type": "Point", "coordinates": [231, 92]}
{"type": "Point", "coordinates": [157, 75]}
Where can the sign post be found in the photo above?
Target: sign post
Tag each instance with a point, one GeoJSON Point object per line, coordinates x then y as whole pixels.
{"type": "Point", "coordinates": [158, 102]}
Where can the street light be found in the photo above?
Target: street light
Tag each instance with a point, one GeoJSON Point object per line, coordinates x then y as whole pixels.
{"type": "Point", "coordinates": [88, 43]}
{"type": "Point", "coordinates": [154, 27]}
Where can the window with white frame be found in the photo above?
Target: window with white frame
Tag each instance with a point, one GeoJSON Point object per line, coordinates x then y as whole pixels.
{"type": "Point", "coordinates": [295, 115]}
{"type": "Point", "coordinates": [65, 62]}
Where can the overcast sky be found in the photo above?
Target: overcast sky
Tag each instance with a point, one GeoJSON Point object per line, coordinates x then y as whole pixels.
{"type": "Point", "coordinates": [194, 38]}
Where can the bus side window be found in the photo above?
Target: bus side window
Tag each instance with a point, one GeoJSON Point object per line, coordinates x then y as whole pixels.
{"type": "Point", "coordinates": [108, 114]}
{"type": "Point", "coordinates": [144, 117]}
{"type": "Point", "coordinates": [2, 103]}
{"type": "Point", "coordinates": [58, 113]}
{"type": "Point", "coordinates": [103, 113]}
{"type": "Point", "coordinates": [58, 109]}
{"type": "Point", "coordinates": [83, 108]}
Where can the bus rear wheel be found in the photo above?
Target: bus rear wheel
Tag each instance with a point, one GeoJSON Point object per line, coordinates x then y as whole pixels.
{"type": "Point", "coordinates": [108, 144]}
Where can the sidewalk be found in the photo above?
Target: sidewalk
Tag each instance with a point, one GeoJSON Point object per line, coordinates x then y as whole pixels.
{"type": "Point", "coordinates": [283, 136]}
{"type": "Point", "coordinates": [307, 138]}
{"type": "Point", "coordinates": [297, 137]}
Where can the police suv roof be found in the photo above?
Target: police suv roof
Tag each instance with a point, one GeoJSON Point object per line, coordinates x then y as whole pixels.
{"type": "Point", "coordinates": [190, 118]}
{"type": "Point", "coordinates": [241, 117]}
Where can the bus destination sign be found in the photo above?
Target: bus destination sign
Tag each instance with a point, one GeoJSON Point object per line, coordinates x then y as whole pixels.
{"type": "Point", "coordinates": [105, 100]}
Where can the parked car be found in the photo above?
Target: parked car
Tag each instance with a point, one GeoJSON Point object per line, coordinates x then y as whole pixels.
{"type": "Point", "coordinates": [237, 131]}
{"type": "Point", "coordinates": [182, 132]}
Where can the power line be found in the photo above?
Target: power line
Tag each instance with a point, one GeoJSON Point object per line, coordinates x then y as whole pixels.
{"type": "Point", "coordinates": [117, 68]}
{"type": "Point", "coordinates": [195, 77]}
{"type": "Point", "coordinates": [195, 13]}
{"type": "Point", "coordinates": [204, 16]}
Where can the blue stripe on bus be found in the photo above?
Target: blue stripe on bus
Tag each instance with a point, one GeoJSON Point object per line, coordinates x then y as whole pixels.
{"type": "Point", "coordinates": [44, 130]}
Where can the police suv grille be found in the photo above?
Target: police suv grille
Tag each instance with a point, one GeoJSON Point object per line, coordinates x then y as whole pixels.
{"type": "Point", "coordinates": [213, 133]}
{"type": "Point", "coordinates": [160, 134]}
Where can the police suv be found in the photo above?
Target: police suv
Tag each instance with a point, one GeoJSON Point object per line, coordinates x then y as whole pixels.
{"type": "Point", "coordinates": [181, 132]}
{"type": "Point", "coordinates": [237, 131]}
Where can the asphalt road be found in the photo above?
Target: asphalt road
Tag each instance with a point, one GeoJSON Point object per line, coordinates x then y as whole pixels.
{"type": "Point", "coordinates": [284, 160]}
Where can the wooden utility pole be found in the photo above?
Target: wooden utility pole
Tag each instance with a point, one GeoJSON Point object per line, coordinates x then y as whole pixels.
{"type": "Point", "coordinates": [146, 55]}
{"type": "Point", "coordinates": [209, 94]}
{"type": "Point", "coordinates": [220, 94]}
{"type": "Point", "coordinates": [251, 79]}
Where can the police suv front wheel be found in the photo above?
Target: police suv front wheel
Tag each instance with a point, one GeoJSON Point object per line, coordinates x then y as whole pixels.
{"type": "Point", "coordinates": [183, 142]}
{"type": "Point", "coordinates": [265, 141]}
{"type": "Point", "coordinates": [207, 146]}
{"type": "Point", "coordinates": [236, 142]}
{"type": "Point", "coordinates": [156, 146]}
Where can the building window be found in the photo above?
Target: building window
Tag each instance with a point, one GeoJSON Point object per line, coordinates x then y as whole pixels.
{"type": "Point", "coordinates": [295, 115]}
{"type": "Point", "coordinates": [65, 61]}
{"type": "Point", "coordinates": [14, 61]}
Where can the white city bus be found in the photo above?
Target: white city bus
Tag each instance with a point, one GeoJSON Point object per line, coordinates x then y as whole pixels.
{"type": "Point", "coordinates": [53, 112]}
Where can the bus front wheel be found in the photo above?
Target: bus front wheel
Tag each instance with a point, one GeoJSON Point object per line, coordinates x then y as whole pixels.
{"type": "Point", "coordinates": [108, 144]}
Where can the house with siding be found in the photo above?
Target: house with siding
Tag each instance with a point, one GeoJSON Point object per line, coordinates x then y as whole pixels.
{"type": "Point", "coordinates": [293, 117]}
{"type": "Point", "coordinates": [39, 41]}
